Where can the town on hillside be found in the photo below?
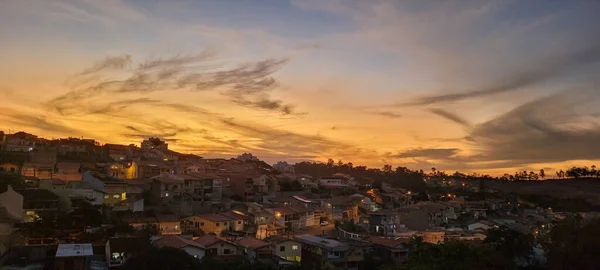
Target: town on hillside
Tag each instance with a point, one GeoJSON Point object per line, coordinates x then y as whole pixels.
{"type": "Point", "coordinates": [74, 203]}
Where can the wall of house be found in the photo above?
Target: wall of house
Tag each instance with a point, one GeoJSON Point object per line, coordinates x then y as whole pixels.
{"type": "Point", "coordinates": [222, 246]}
{"type": "Point", "coordinates": [195, 252]}
{"type": "Point", "coordinates": [208, 226]}
{"type": "Point", "coordinates": [167, 228]}
{"type": "Point", "coordinates": [289, 252]}
{"type": "Point", "coordinates": [8, 167]}
{"type": "Point", "coordinates": [13, 202]}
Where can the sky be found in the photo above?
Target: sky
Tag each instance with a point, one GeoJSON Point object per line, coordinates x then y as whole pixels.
{"type": "Point", "coordinates": [475, 86]}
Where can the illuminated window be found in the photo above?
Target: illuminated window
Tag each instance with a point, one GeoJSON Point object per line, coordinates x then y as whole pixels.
{"type": "Point", "coordinates": [116, 196]}
{"type": "Point", "coordinates": [106, 196]}
{"type": "Point", "coordinates": [294, 247]}
{"type": "Point", "coordinates": [30, 213]}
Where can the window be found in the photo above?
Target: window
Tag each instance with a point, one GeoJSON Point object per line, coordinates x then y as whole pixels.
{"type": "Point", "coordinates": [116, 196]}
{"type": "Point", "coordinates": [294, 247]}
{"type": "Point", "coordinates": [106, 196]}
{"type": "Point", "coordinates": [217, 224]}
{"type": "Point", "coordinates": [226, 251]}
{"type": "Point", "coordinates": [282, 248]}
{"type": "Point", "coordinates": [239, 222]}
{"type": "Point", "coordinates": [201, 224]}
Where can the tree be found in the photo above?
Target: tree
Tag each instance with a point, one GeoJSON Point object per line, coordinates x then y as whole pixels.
{"type": "Point", "coordinates": [330, 163]}
{"type": "Point", "coordinates": [512, 244]}
{"type": "Point", "coordinates": [573, 244]}
{"type": "Point", "coordinates": [13, 179]}
{"type": "Point", "coordinates": [433, 171]}
{"type": "Point", "coordinates": [593, 172]}
{"type": "Point", "coordinates": [542, 174]}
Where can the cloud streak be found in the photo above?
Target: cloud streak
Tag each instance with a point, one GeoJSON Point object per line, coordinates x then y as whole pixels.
{"type": "Point", "coordinates": [451, 116]}
{"type": "Point", "coordinates": [248, 84]}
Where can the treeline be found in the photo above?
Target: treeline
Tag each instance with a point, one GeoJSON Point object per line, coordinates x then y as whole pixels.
{"type": "Point", "coordinates": [400, 177]}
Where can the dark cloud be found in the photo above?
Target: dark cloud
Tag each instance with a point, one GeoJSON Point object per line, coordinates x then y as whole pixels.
{"type": "Point", "coordinates": [543, 71]}
{"type": "Point", "coordinates": [552, 129]}
{"type": "Point", "coordinates": [428, 153]}
{"type": "Point", "coordinates": [247, 84]}
{"type": "Point", "coordinates": [388, 114]}
{"type": "Point", "coordinates": [22, 120]}
{"type": "Point", "coordinates": [450, 116]}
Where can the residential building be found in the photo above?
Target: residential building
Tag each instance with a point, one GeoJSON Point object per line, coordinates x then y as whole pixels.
{"type": "Point", "coordinates": [481, 225]}
{"type": "Point", "coordinates": [165, 187]}
{"type": "Point", "coordinates": [285, 248]}
{"type": "Point", "coordinates": [39, 203]}
{"type": "Point", "coordinates": [333, 182]}
{"type": "Point", "coordinates": [383, 223]}
{"type": "Point", "coordinates": [191, 247]}
{"type": "Point", "coordinates": [386, 249]}
{"type": "Point", "coordinates": [124, 170]}
{"type": "Point", "coordinates": [342, 208]}
{"type": "Point", "coordinates": [73, 256]}
{"type": "Point", "coordinates": [433, 236]}
{"type": "Point", "coordinates": [11, 213]}
{"type": "Point", "coordinates": [319, 251]}
{"type": "Point", "coordinates": [254, 249]}
{"type": "Point", "coordinates": [293, 218]}
{"type": "Point", "coordinates": [247, 157]}
{"type": "Point", "coordinates": [219, 248]}
{"type": "Point", "coordinates": [68, 171]}
{"type": "Point", "coordinates": [283, 167]}
{"type": "Point", "coordinates": [19, 142]}
{"type": "Point", "coordinates": [154, 143]}
{"type": "Point", "coordinates": [115, 190]}
{"type": "Point", "coordinates": [168, 224]}
{"type": "Point", "coordinates": [119, 249]}
{"type": "Point", "coordinates": [76, 147]}
{"type": "Point", "coordinates": [38, 170]}
{"type": "Point", "coordinates": [117, 152]}
{"type": "Point", "coordinates": [9, 167]}
{"type": "Point", "coordinates": [208, 223]}
{"type": "Point", "coordinates": [43, 154]}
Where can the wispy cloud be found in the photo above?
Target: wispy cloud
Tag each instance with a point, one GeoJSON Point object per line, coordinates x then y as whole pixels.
{"type": "Point", "coordinates": [451, 116]}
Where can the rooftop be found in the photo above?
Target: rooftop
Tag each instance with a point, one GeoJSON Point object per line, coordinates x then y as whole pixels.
{"type": "Point", "coordinates": [36, 194]}
{"type": "Point", "coordinates": [328, 244]}
{"type": "Point", "coordinates": [175, 241]}
{"type": "Point", "coordinates": [74, 250]}
{"type": "Point", "coordinates": [214, 217]}
{"type": "Point", "coordinates": [252, 243]}
{"type": "Point", "coordinates": [208, 240]}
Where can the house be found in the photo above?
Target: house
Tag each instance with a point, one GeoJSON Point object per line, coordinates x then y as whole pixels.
{"type": "Point", "coordinates": [342, 208]}
{"type": "Point", "coordinates": [165, 187]}
{"type": "Point", "coordinates": [115, 190]}
{"type": "Point", "coordinates": [119, 249]}
{"type": "Point", "coordinates": [154, 143]}
{"type": "Point", "coordinates": [254, 249]}
{"type": "Point", "coordinates": [76, 147]}
{"type": "Point", "coordinates": [433, 236]}
{"type": "Point", "coordinates": [19, 142]}
{"type": "Point", "coordinates": [73, 256]}
{"type": "Point", "coordinates": [218, 248]}
{"type": "Point", "coordinates": [11, 213]}
{"type": "Point", "coordinates": [117, 152]}
{"type": "Point", "coordinates": [38, 170]}
{"type": "Point", "coordinates": [283, 167]}
{"type": "Point", "coordinates": [168, 224]}
{"type": "Point", "coordinates": [43, 154]}
{"type": "Point", "coordinates": [38, 203]}
{"type": "Point", "coordinates": [285, 248]}
{"type": "Point", "coordinates": [481, 225]}
{"type": "Point", "coordinates": [208, 223]}
{"type": "Point", "coordinates": [124, 170]}
{"type": "Point", "coordinates": [293, 218]}
{"type": "Point", "coordinates": [192, 248]}
{"type": "Point", "coordinates": [9, 167]}
{"type": "Point", "coordinates": [333, 182]}
{"type": "Point", "coordinates": [383, 223]}
{"type": "Point", "coordinates": [68, 171]}
{"type": "Point", "coordinates": [386, 249]}
{"type": "Point", "coordinates": [319, 251]}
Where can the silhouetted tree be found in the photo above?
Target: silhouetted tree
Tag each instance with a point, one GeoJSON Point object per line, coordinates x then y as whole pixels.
{"type": "Point", "coordinates": [542, 174]}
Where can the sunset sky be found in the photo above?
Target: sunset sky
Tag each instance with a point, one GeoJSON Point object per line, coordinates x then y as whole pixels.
{"type": "Point", "coordinates": [475, 86]}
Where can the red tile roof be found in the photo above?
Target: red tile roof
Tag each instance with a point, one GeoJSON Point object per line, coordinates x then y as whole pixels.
{"type": "Point", "coordinates": [252, 243]}
{"type": "Point", "coordinates": [175, 241]}
{"type": "Point", "coordinates": [208, 240]}
{"type": "Point", "coordinates": [214, 217]}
